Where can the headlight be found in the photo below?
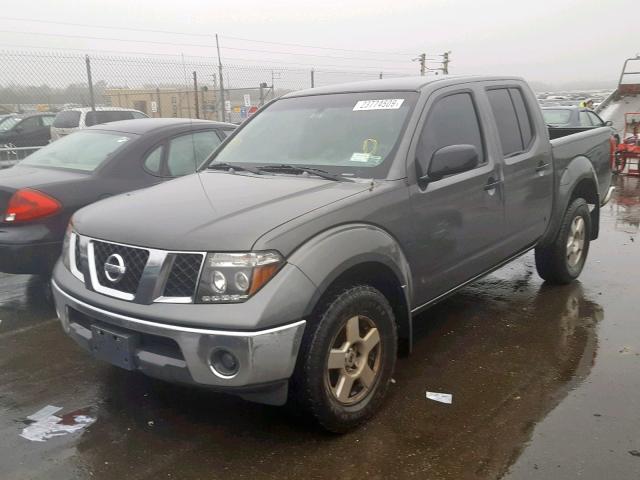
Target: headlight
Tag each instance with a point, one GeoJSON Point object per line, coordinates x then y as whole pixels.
{"type": "Point", "coordinates": [66, 261]}
{"type": "Point", "coordinates": [234, 277]}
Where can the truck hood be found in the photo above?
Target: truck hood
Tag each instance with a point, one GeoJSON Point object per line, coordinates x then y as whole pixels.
{"type": "Point", "coordinates": [209, 210]}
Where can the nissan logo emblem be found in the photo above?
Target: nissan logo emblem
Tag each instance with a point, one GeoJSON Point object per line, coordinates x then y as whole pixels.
{"type": "Point", "coordinates": [114, 268]}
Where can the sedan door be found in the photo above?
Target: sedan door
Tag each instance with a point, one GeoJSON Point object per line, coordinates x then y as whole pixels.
{"type": "Point", "coordinates": [458, 219]}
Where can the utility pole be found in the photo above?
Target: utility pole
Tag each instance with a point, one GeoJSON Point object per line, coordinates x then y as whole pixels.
{"type": "Point", "coordinates": [195, 93]}
{"type": "Point", "coordinates": [445, 62]}
{"type": "Point", "coordinates": [312, 78]}
{"type": "Point", "coordinates": [423, 63]}
{"type": "Point", "coordinates": [224, 114]}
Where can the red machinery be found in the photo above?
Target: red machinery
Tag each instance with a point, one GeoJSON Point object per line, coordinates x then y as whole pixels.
{"type": "Point", "coordinates": [628, 151]}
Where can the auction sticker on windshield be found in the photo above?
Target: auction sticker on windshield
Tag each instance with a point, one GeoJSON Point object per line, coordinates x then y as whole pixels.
{"type": "Point", "coordinates": [387, 104]}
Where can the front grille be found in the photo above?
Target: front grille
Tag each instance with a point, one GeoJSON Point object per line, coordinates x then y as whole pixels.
{"type": "Point", "coordinates": [76, 254]}
{"type": "Point", "coordinates": [184, 275]}
{"type": "Point", "coordinates": [135, 260]}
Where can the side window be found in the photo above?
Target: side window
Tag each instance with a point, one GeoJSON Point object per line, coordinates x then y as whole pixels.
{"type": "Point", "coordinates": [595, 119]}
{"type": "Point", "coordinates": [187, 152]}
{"type": "Point", "coordinates": [153, 160]}
{"type": "Point", "coordinates": [47, 120]}
{"type": "Point", "coordinates": [453, 120]}
{"type": "Point", "coordinates": [504, 113]}
{"type": "Point", "coordinates": [524, 119]}
{"type": "Point", "coordinates": [136, 115]}
{"type": "Point", "coordinates": [585, 121]}
{"type": "Point", "coordinates": [30, 124]}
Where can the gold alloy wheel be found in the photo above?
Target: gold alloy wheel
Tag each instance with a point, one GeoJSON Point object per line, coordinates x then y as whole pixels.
{"type": "Point", "coordinates": [575, 242]}
{"type": "Point", "coordinates": [354, 362]}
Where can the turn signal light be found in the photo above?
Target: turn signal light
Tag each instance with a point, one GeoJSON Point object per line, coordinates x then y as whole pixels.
{"type": "Point", "coordinates": [27, 204]}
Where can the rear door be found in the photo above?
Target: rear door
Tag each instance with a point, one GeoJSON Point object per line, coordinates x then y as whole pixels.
{"type": "Point", "coordinates": [526, 153]}
{"type": "Point", "coordinates": [458, 220]}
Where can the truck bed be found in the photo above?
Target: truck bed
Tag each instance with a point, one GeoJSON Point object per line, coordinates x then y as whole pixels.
{"type": "Point", "coordinates": [592, 143]}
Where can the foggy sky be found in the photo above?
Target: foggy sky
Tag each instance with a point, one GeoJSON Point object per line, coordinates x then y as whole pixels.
{"type": "Point", "coordinates": [553, 41]}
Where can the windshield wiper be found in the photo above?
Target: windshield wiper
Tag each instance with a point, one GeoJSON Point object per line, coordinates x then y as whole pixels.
{"type": "Point", "coordinates": [229, 166]}
{"type": "Point", "coordinates": [283, 167]}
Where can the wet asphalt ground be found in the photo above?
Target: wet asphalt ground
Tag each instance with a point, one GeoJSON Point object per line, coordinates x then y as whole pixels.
{"type": "Point", "coordinates": [545, 384]}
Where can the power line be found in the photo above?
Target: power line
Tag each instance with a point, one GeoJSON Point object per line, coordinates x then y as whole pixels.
{"type": "Point", "coordinates": [204, 35]}
{"type": "Point", "coordinates": [156, 42]}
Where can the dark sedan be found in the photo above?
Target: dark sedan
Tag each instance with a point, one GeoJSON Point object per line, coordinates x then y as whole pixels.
{"type": "Point", "coordinates": [26, 130]}
{"type": "Point", "coordinates": [575, 117]}
{"type": "Point", "coordinates": [39, 195]}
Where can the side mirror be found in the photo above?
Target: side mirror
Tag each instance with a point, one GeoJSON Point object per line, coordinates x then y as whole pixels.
{"type": "Point", "coordinates": [609, 123]}
{"type": "Point", "coordinates": [451, 160]}
{"type": "Point", "coordinates": [18, 129]}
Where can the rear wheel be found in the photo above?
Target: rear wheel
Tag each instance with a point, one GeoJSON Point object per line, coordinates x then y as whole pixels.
{"type": "Point", "coordinates": [346, 359]}
{"type": "Point", "coordinates": [562, 261]}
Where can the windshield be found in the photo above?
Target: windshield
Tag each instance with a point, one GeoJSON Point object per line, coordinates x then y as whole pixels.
{"type": "Point", "coordinates": [67, 119]}
{"type": "Point", "coordinates": [84, 150]}
{"type": "Point", "coordinates": [8, 123]}
{"type": "Point", "coordinates": [559, 116]}
{"type": "Point", "coordinates": [349, 134]}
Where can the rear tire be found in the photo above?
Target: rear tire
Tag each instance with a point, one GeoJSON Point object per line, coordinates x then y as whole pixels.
{"type": "Point", "coordinates": [346, 359]}
{"type": "Point", "coordinates": [562, 261]}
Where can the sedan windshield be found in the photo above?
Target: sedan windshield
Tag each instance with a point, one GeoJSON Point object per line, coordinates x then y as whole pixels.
{"type": "Point", "coordinates": [84, 150]}
{"type": "Point", "coordinates": [556, 117]}
{"type": "Point", "coordinates": [351, 134]}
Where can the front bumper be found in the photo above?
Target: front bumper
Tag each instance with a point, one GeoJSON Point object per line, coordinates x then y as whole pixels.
{"type": "Point", "coordinates": [266, 358]}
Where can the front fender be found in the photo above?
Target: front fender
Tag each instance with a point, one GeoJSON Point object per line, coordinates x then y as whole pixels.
{"type": "Point", "coordinates": [331, 253]}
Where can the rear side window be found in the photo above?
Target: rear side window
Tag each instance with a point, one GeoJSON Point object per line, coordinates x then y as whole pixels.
{"type": "Point", "coordinates": [453, 120]}
{"type": "Point", "coordinates": [67, 119]}
{"type": "Point", "coordinates": [47, 120]}
{"type": "Point", "coordinates": [105, 116]}
{"type": "Point", "coordinates": [30, 124]}
{"type": "Point", "coordinates": [187, 152]}
{"type": "Point", "coordinates": [153, 160]}
{"type": "Point", "coordinates": [524, 119]}
{"type": "Point", "coordinates": [504, 113]}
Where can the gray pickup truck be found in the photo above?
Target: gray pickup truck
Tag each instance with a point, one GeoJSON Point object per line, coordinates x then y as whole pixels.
{"type": "Point", "coordinates": [290, 266]}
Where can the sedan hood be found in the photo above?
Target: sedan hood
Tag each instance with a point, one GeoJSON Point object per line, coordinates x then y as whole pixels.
{"type": "Point", "coordinates": [209, 210]}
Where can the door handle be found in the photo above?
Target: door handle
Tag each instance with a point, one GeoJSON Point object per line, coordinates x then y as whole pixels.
{"type": "Point", "coordinates": [492, 185]}
{"type": "Point", "coordinates": [541, 167]}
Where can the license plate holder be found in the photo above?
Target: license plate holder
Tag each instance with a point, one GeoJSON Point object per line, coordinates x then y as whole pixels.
{"type": "Point", "coordinates": [115, 347]}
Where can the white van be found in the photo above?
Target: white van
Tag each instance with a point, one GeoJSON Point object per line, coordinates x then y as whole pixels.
{"type": "Point", "coordinates": [68, 121]}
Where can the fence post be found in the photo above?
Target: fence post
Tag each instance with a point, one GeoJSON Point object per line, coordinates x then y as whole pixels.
{"type": "Point", "coordinates": [159, 112]}
{"type": "Point", "coordinates": [312, 78]}
{"type": "Point", "coordinates": [195, 93]}
{"type": "Point", "coordinates": [92, 101]}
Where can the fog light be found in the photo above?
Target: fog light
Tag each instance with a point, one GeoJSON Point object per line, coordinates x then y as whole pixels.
{"type": "Point", "coordinates": [224, 363]}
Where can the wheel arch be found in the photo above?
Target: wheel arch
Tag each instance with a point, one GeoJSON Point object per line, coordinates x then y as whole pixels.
{"type": "Point", "coordinates": [358, 254]}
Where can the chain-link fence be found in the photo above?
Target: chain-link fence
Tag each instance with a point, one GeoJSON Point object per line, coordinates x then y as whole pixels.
{"type": "Point", "coordinates": [158, 85]}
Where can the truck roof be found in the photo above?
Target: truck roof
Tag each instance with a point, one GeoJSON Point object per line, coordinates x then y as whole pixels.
{"type": "Point", "coordinates": [395, 84]}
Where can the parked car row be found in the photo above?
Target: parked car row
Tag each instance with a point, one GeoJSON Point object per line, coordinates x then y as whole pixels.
{"type": "Point", "coordinates": [37, 129]}
{"type": "Point", "coordinates": [287, 266]}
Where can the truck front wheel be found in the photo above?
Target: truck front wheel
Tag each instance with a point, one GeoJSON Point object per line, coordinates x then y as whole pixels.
{"type": "Point", "coordinates": [562, 261]}
{"type": "Point", "coordinates": [346, 359]}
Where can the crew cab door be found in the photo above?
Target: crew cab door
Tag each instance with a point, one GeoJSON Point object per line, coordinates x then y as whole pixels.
{"type": "Point", "coordinates": [528, 169]}
{"type": "Point", "coordinates": [458, 220]}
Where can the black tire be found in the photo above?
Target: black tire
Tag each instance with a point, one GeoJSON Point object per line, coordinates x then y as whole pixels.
{"type": "Point", "coordinates": [311, 389]}
{"type": "Point", "coordinates": [552, 261]}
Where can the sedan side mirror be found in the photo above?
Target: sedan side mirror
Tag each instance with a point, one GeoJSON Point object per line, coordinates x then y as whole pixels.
{"type": "Point", "coordinates": [451, 160]}
{"type": "Point", "coordinates": [609, 123]}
